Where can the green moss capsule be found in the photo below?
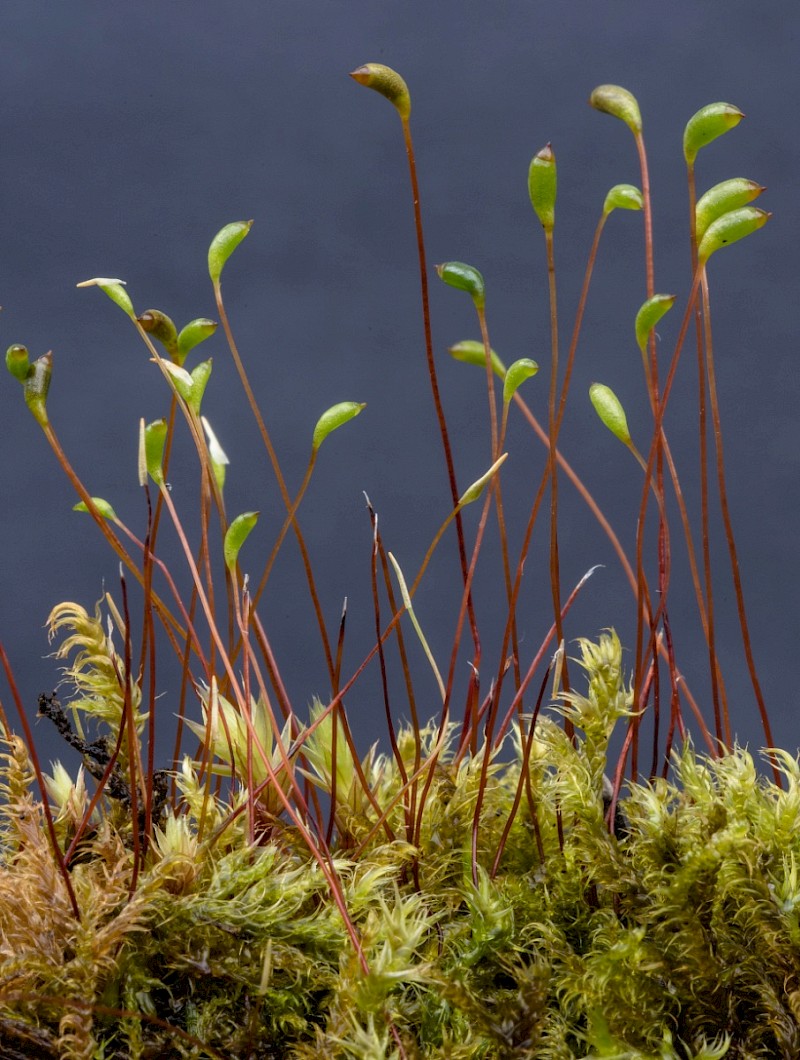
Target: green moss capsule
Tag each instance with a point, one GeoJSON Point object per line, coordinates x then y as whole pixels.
{"type": "Point", "coordinates": [650, 314]}
{"type": "Point", "coordinates": [620, 103]}
{"type": "Point", "coordinates": [195, 332]}
{"type": "Point", "coordinates": [154, 437]}
{"type": "Point", "coordinates": [471, 351]}
{"type": "Point", "coordinates": [706, 125]}
{"type": "Point", "coordinates": [542, 186]}
{"type": "Point", "coordinates": [464, 278]}
{"type": "Point", "coordinates": [102, 506]}
{"type": "Point", "coordinates": [236, 535]}
{"type": "Point", "coordinates": [608, 407]}
{"type": "Point", "coordinates": [115, 290]}
{"type": "Point", "coordinates": [516, 375]}
{"type": "Point", "coordinates": [730, 228]}
{"type": "Point", "coordinates": [723, 197]}
{"type": "Point", "coordinates": [18, 362]}
{"type": "Point", "coordinates": [334, 417]}
{"type": "Point", "coordinates": [161, 327]}
{"type": "Point", "coordinates": [388, 82]}
{"type": "Point", "coordinates": [223, 245]}
{"type": "Point", "coordinates": [623, 197]}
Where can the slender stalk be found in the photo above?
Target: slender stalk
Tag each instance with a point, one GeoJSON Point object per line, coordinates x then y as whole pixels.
{"type": "Point", "coordinates": [134, 763]}
{"type": "Point", "coordinates": [376, 608]}
{"type": "Point", "coordinates": [37, 769]}
{"type": "Point", "coordinates": [703, 444]}
{"type": "Point", "coordinates": [523, 782]}
{"type": "Point", "coordinates": [555, 572]}
{"type": "Point", "coordinates": [267, 441]}
{"type": "Point", "coordinates": [149, 656]}
{"type": "Point", "coordinates": [550, 439]}
{"type": "Point", "coordinates": [434, 379]}
{"type": "Point", "coordinates": [729, 536]}
{"type": "Point", "coordinates": [401, 648]}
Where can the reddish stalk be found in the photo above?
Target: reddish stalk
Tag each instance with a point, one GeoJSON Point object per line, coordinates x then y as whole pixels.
{"type": "Point", "coordinates": [729, 536]}
{"type": "Point", "coordinates": [522, 783]}
{"type": "Point", "coordinates": [489, 747]}
{"type": "Point", "coordinates": [148, 656]}
{"type": "Point", "coordinates": [406, 669]}
{"type": "Point", "coordinates": [555, 573]}
{"type": "Point", "coordinates": [497, 435]}
{"type": "Point", "coordinates": [376, 609]}
{"type": "Point", "coordinates": [551, 441]}
{"type": "Point", "coordinates": [703, 443]}
{"type": "Point", "coordinates": [133, 750]}
{"type": "Point", "coordinates": [37, 769]}
{"type": "Point", "coordinates": [434, 379]}
{"type": "Point", "coordinates": [267, 441]}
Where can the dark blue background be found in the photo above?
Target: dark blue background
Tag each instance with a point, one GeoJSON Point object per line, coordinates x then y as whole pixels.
{"type": "Point", "coordinates": [132, 133]}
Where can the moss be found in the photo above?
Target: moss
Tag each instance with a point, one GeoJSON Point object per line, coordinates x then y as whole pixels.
{"type": "Point", "coordinates": [679, 934]}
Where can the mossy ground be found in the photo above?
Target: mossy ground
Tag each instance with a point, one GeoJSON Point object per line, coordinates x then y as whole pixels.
{"type": "Point", "coordinates": [677, 937]}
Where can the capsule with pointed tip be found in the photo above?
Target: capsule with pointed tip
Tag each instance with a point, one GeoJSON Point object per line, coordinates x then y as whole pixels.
{"type": "Point", "coordinates": [223, 245]}
{"type": "Point", "coordinates": [542, 186]}
{"type": "Point", "coordinates": [333, 418]}
{"type": "Point", "coordinates": [706, 125]}
{"type": "Point", "coordinates": [725, 196]}
{"type": "Point", "coordinates": [730, 228]}
{"type": "Point", "coordinates": [388, 82]}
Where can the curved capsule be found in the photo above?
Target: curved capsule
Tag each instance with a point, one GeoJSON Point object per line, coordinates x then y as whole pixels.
{"type": "Point", "coordinates": [725, 196]}
{"type": "Point", "coordinates": [388, 82]}
{"type": "Point", "coordinates": [235, 536]}
{"type": "Point", "coordinates": [471, 351]}
{"type": "Point", "coordinates": [706, 125]}
{"type": "Point", "coordinates": [332, 418]}
{"type": "Point", "coordinates": [464, 278]}
{"type": "Point", "coordinates": [620, 103]}
{"type": "Point", "coordinates": [516, 375]}
{"type": "Point", "coordinates": [161, 327]}
{"type": "Point", "coordinates": [195, 332]}
{"type": "Point", "coordinates": [623, 197]}
{"type": "Point", "coordinates": [223, 245]}
{"type": "Point", "coordinates": [650, 314]}
{"type": "Point", "coordinates": [730, 228]}
{"type": "Point", "coordinates": [103, 507]}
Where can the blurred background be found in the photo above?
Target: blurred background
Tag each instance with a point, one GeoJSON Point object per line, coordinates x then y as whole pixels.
{"type": "Point", "coordinates": [130, 135]}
